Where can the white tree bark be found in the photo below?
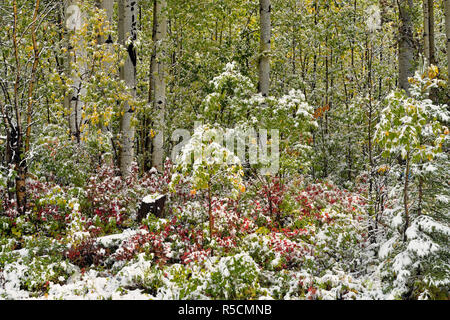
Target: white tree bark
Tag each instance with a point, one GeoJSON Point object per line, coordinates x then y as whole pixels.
{"type": "Point", "coordinates": [405, 45]}
{"type": "Point", "coordinates": [158, 81]}
{"type": "Point", "coordinates": [67, 60]}
{"type": "Point", "coordinates": [108, 6]}
{"type": "Point", "coordinates": [265, 46]}
{"type": "Point", "coordinates": [76, 52]}
{"type": "Point", "coordinates": [128, 10]}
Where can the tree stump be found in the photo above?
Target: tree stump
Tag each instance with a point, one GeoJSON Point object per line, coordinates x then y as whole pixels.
{"type": "Point", "coordinates": [153, 204]}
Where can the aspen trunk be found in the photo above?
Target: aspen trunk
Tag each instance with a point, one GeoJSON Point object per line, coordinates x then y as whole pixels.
{"type": "Point", "coordinates": [66, 62]}
{"type": "Point", "coordinates": [31, 84]}
{"type": "Point", "coordinates": [265, 46]}
{"type": "Point", "coordinates": [127, 36]}
{"type": "Point", "coordinates": [74, 21]}
{"type": "Point", "coordinates": [405, 45]}
{"type": "Point", "coordinates": [158, 82]}
{"type": "Point", "coordinates": [106, 39]}
{"type": "Point", "coordinates": [108, 7]}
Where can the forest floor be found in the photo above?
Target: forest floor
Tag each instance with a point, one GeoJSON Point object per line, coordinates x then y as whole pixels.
{"type": "Point", "coordinates": [282, 240]}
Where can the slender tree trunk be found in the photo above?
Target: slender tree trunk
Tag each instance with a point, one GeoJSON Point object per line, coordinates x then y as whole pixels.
{"type": "Point", "coordinates": [294, 47]}
{"type": "Point", "coordinates": [420, 192]}
{"type": "Point", "coordinates": [106, 39]}
{"type": "Point", "coordinates": [127, 37]}
{"type": "Point", "coordinates": [74, 19]}
{"type": "Point", "coordinates": [36, 53]}
{"type": "Point", "coordinates": [18, 138]}
{"type": "Point", "coordinates": [66, 64]}
{"type": "Point", "coordinates": [17, 134]}
{"type": "Point", "coordinates": [372, 212]}
{"type": "Point", "coordinates": [211, 218]}
{"type": "Point", "coordinates": [421, 184]}
{"type": "Point", "coordinates": [10, 138]}
{"type": "Point", "coordinates": [429, 44]}
{"type": "Point", "coordinates": [426, 31]}
{"type": "Point", "coordinates": [447, 33]}
{"type": "Point", "coordinates": [405, 44]}
{"type": "Point", "coordinates": [405, 197]}
{"type": "Point", "coordinates": [158, 81]}
{"type": "Point", "coordinates": [432, 47]}
{"type": "Point", "coordinates": [265, 47]}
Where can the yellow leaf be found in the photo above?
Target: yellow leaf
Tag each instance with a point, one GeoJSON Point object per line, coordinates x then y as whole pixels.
{"type": "Point", "coordinates": [433, 71]}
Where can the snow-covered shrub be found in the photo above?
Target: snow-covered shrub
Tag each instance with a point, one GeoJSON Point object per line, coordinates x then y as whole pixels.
{"type": "Point", "coordinates": [187, 280]}
{"type": "Point", "coordinates": [294, 118]}
{"type": "Point", "coordinates": [163, 241]}
{"type": "Point", "coordinates": [341, 240]}
{"type": "Point", "coordinates": [412, 126]}
{"type": "Point", "coordinates": [62, 160]}
{"type": "Point", "coordinates": [234, 277]}
{"type": "Point", "coordinates": [418, 267]}
{"type": "Point", "coordinates": [227, 217]}
{"type": "Point", "coordinates": [207, 164]}
{"type": "Point", "coordinates": [152, 280]}
{"type": "Point", "coordinates": [192, 212]}
{"type": "Point", "coordinates": [267, 196]}
{"type": "Point", "coordinates": [233, 102]}
{"type": "Point", "coordinates": [48, 210]}
{"type": "Point", "coordinates": [258, 247]}
{"type": "Point", "coordinates": [282, 284]}
{"type": "Point", "coordinates": [109, 199]}
{"type": "Point", "coordinates": [112, 201]}
{"type": "Point", "coordinates": [86, 253]}
{"type": "Point", "coordinates": [51, 206]}
{"type": "Point", "coordinates": [34, 269]}
{"type": "Point", "coordinates": [228, 104]}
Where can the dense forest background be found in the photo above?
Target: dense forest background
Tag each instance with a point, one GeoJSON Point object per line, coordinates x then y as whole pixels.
{"type": "Point", "coordinates": [93, 95]}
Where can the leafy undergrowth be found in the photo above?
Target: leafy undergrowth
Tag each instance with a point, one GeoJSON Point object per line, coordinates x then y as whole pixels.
{"type": "Point", "coordinates": [279, 239]}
